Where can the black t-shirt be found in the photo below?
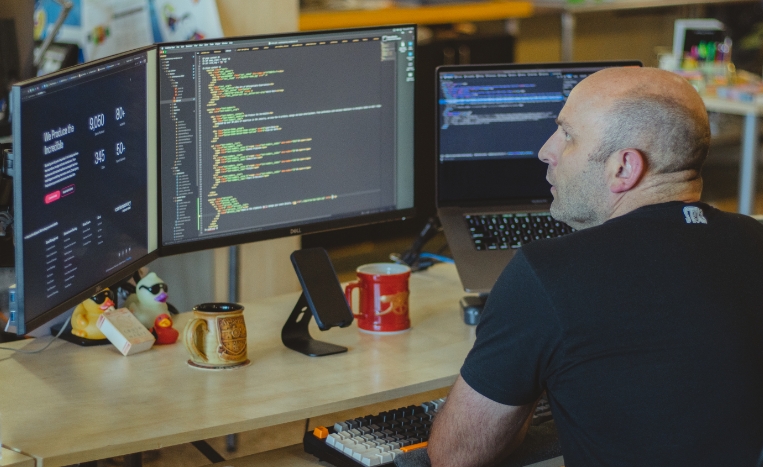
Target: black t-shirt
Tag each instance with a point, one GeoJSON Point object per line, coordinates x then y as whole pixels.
{"type": "Point", "coordinates": [647, 333]}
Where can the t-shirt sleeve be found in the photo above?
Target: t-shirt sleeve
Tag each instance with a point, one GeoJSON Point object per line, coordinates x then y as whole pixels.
{"type": "Point", "coordinates": [517, 337]}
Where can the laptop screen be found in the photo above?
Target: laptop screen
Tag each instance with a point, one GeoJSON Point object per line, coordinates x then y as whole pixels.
{"type": "Point", "coordinates": [491, 123]}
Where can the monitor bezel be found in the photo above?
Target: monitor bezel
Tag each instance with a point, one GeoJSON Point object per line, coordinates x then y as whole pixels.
{"type": "Point", "coordinates": [295, 229]}
{"type": "Point", "coordinates": [24, 326]}
{"type": "Point", "coordinates": [504, 67]}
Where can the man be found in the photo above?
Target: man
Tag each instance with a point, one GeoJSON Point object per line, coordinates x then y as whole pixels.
{"type": "Point", "coordinates": [644, 327]}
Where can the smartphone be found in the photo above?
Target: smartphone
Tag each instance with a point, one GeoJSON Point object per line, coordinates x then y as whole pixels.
{"type": "Point", "coordinates": [321, 288]}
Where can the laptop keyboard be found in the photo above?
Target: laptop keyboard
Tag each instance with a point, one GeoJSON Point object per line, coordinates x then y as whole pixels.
{"type": "Point", "coordinates": [505, 231]}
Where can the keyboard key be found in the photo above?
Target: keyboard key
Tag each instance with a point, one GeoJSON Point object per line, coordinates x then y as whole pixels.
{"type": "Point", "coordinates": [414, 447]}
{"type": "Point", "coordinates": [332, 439]}
{"type": "Point", "coordinates": [340, 426]}
{"type": "Point", "coordinates": [374, 459]}
{"type": "Point", "coordinates": [321, 432]}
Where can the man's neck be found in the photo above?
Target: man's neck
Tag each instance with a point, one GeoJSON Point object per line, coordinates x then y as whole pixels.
{"type": "Point", "coordinates": [658, 189]}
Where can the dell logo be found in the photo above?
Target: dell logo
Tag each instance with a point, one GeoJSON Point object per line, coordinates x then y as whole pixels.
{"type": "Point", "coordinates": [295, 231]}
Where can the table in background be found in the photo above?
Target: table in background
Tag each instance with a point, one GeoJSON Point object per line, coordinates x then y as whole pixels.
{"type": "Point", "coordinates": [568, 10]}
{"type": "Point", "coordinates": [748, 166]}
{"type": "Point", "coordinates": [72, 404]}
{"type": "Point", "coordinates": [424, 14]}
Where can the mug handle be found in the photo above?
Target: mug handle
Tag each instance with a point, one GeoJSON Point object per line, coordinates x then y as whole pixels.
{"type": "Point", "coordinates": [190, 338]}
{"type": "Point", "coordinates": [348, 295]}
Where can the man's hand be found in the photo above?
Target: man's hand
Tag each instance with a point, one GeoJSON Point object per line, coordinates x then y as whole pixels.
{"type": "Point", "coordinates": [472, 430]}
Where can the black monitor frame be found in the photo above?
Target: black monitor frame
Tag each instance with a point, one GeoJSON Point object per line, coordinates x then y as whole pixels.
{"type": "Point", "coordinates": [24, 325]}
{"type": "Point", "coordinates": [296, 229]}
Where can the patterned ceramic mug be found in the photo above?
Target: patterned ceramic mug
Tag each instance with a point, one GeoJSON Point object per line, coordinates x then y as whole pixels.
{"type": "Point", "coordinates": [216, 336]}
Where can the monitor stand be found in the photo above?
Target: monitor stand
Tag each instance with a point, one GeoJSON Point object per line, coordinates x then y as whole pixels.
{"type": "Point", "coordinates": [296, 336]}
{"type": "Point", "coordinates": [69, 337]}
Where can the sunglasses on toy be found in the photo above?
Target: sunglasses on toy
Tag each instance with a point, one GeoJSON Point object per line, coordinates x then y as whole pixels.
{"type": "Point", "coordinates": [101, 297]}
{"type": "Point", "coordinates": [156, 288]}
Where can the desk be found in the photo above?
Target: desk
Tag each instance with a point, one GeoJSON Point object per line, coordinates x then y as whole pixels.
{"type": "Point", "coordinates": [14, 459]}
{"type": "Point", "coordinates": [72, 404]}
{"type": "Point", "coordinates": [568, 10]}
{"type": "Point", "coordinates": [748, 167]}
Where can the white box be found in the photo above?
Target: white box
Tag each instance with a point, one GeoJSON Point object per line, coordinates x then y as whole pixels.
{"type": "Point", "coordinates": [124, 330]}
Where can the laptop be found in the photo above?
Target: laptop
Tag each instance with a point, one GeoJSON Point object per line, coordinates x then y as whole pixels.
{"type": "Point", "coordinates": [492, 193]}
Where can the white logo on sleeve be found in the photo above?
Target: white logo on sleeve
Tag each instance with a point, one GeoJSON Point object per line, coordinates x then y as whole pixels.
{"type": "Point", "coordinates": [694, 215]}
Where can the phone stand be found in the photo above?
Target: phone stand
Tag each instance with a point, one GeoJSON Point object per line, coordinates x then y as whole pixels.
{"type": "Point", "coordinates": [322, 298]}
{"type": "Point", "coordinates": [296, 336]}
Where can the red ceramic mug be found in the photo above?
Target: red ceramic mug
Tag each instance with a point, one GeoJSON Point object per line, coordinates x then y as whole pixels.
{"type": "Point", "coordinates": [383, 299]}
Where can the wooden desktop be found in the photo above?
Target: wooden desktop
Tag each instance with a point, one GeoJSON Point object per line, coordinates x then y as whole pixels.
{"type": "Point", "coordinates": [72, 404]}
{"type": "Point", "coordinates": [13, 459]}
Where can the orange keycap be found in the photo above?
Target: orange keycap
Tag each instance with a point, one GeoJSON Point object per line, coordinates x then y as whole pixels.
{"type": "Point", "coordinates": [413, 447]}
{"type": "Point", "coordinates": [321, 432]}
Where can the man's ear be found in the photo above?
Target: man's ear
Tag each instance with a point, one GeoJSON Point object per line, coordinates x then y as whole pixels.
{"type": "Point", "coordinates": [625, 168]}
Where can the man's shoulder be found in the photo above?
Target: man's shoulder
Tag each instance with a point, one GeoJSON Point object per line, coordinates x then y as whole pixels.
{"type": "Point", "coordinates": [649, 229]}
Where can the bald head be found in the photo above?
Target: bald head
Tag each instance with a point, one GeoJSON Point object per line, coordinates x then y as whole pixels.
{"type": "Point", "coordinates": [654, 111]}
{"type": "Point", "coordinates": [626, 138]}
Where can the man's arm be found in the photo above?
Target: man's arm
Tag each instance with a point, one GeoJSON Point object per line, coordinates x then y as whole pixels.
{"type": "Point", "coordinates": [472, 430]}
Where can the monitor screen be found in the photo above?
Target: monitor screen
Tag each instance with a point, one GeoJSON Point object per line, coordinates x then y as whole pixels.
{"type": "Point", "coordinates": [492, 120]}
{"type": "Point", "coordinates": [85, 191]}
{"type": "Point", "coordinates": [265, 137]}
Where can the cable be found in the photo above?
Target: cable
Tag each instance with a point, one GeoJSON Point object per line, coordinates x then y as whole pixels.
{"type": "Point", "coordinates": [414, 257]}
{"type": "Point", "coordinates": [28, 352]}
{"type": "Point", "coordinates": [440, 258]}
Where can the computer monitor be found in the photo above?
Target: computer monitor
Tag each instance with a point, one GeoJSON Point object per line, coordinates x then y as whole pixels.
{"type": "Point", "coordinates": [85, 183]}
{"type": "Point", "coordinates": [264, 137]}
{"type": "Point", "coordinates": [492, 122]}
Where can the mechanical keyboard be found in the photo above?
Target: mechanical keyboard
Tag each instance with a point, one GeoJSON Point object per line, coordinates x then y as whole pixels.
{"type": "Point", "coordinates": [504, 231]}
{"type": "Point", "coordinates": [375, 440]}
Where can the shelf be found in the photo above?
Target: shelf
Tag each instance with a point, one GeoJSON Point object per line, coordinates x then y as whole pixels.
{"type": "Point", "coordinates": [610, 5]}
{"type": "Point", "coordinates": [455, 13]}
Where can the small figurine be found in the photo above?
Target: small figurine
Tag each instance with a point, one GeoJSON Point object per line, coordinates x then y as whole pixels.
{"type": "Point", "coordinates": [163, 330]}
{"type": "Point", "coordinates": [86, 315]}
{"type": "Point", "coordinates": [149, 300]}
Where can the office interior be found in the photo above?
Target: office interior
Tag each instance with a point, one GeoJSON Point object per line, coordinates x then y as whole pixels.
{"type": "Point", "coordinates": [640, 32]}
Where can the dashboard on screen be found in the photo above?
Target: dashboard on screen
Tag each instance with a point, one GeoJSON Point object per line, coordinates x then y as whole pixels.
{"type": "Point", "coordinates": [85, 199]}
